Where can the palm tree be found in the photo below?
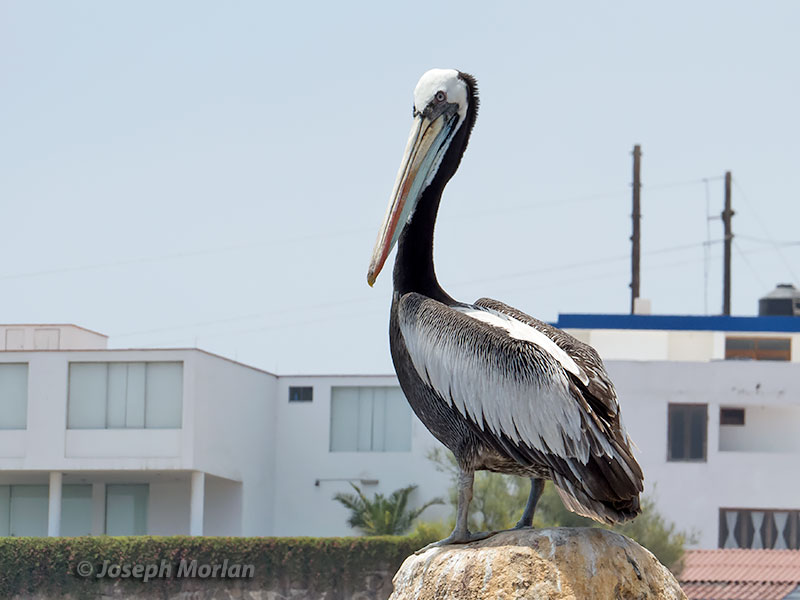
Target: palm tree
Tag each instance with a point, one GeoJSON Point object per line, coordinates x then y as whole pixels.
{"type": "Point", "coordinates": [381, 515]}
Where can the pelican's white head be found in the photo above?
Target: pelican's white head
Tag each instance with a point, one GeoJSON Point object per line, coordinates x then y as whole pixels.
{"type": "Point", "coordinates": [436, 82]}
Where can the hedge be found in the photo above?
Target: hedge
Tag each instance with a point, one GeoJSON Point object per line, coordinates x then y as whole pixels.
{"type": "Point", "coordinates": [50, 565]}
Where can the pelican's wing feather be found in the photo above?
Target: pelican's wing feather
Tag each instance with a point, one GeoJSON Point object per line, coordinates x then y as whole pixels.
{"type": "Point", "coordinates": [601, 393]}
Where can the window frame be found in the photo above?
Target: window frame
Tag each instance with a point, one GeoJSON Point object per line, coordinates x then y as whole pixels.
{"type": "Point", "coordinates": [362, 421]}
{"type": "Point", "coordinates": [111, 487]}
{"type": "Point", "coordinates": [744, 529]}
{"type": "Point", "coordinates": [672, 406]}
{"type": "Point", "coordinates": [726, 419]}
{"type": "Point", "coordinates": [26, 396]}
{"type": "Point", "coordinates": [755, 352]}
{"type": "Point", "coordinates": [301, 389]}
{"type": "Point", "coordinates": [127, 363]}
{"type": "Point", "coordinates": [8, 504]}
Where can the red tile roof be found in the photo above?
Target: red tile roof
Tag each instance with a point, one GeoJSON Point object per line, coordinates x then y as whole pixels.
{"type": "Point", "coordinates": [740, 574]}
{"type": "Point", "coordinates": [738, 591]}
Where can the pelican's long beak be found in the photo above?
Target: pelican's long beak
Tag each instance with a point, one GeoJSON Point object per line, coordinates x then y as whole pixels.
{"type": "Point", "coordinates": [426, 146]}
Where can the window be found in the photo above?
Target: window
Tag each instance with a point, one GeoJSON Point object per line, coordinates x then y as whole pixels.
{"type": "Point", "coordinates": [23, 510]}
{"type": "Point", "coordinates": [731, 416]}
{"type": "Point", "coordinates": [754, 348]}
{"type": "Point", "coordinates": [76, 510]}
{"type": "Point", "coordinates": [759, 528]}
{"type": "Point", "coordinates": [301, 394]}
{"type": "Point", "coordinates": [13, 396]}
{"type": "Point", "coordinates": [687, 432]}
{"type": "Point", "coordinates": [125, 395]}
{"type": "Point", "coordinates": [369, 419]}
{"type": "Point", "coordinates": [126, 509]}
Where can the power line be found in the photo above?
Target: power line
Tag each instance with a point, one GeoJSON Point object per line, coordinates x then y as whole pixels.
{"type": "Point", "coordinates": [770, 239]}
{"type": "Point", "coordinates": [311, 307]}
{"type": "Point", "coordinates": [587, 263]}
{"type": "Point", "coordinates": [688, 182]}
{"type": "Point", "coordinates": [178, 255]}
{"type": "Point", "coordinates": [126, 262]}
{"type": "Point", "coordinates": [367, 300]}
{"type": "Point", "coordinates": [361, 313]}
{"type": "Point", "coordinates": [782, 243]}
{"type": "Point", "coordinates": [750, 266]}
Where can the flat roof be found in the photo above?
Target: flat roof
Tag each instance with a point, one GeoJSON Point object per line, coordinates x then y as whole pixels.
{"type": "Point", "coordinates": [111, 350]}
{"type": "Point", "coordinates": [679, 322]}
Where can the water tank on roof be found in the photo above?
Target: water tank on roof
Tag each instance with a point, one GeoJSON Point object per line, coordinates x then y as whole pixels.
{"type": "Point", "coordinates": [783, 301]}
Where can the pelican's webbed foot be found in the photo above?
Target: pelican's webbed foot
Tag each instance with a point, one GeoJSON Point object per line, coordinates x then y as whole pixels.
{"type": "Point", "coordinates": [456, 537]}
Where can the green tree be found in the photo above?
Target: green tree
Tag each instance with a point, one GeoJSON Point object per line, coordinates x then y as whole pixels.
{"type": "Point", "coordinates": [380, 515]}
{"type": "Point", "coordinates": [498, 501]}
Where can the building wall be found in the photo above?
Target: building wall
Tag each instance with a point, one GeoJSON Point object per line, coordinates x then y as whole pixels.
{"type": "Point", "coordinates": [79, 449]}
{"type": "Point", "coordinates": [234, 420]}
{"type": "Point", "coordinates": [168, 507]}
{"type": "Point", "coordinates": [688, 346]}
{"type": "Point", "coordinates": [303, 457]}
{"type": "Point", "coordinates": [766, 429]}
{"type": "Point", "coordinates": [223, 507]}
{"type": "Point", "coordinates": [691, 493]}
{"type": "Point", "coordinates": [227, 431]}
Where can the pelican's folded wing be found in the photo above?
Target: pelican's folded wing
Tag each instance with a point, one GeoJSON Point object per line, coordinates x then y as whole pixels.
{"type": "Point", "coordinates": [529, 396]}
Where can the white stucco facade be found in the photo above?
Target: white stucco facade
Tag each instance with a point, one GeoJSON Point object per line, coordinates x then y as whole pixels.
{"type": "Point", "coordinates": [308, 473]}
{"type": "Point", "coordinates": [212, 472]}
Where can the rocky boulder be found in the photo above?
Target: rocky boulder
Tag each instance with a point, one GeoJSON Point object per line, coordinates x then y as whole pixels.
{"type": "Point", "coordinates": [551, 564]}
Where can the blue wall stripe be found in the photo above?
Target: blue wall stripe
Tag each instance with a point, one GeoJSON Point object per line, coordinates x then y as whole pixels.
{"type": "Point", "coordinates": [679, 322]}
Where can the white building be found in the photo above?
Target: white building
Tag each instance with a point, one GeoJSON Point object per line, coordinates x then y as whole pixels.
{"type": "Point", "coordinates": [96, 441]}
{"type": "Point", "coordinates": [181, 441]}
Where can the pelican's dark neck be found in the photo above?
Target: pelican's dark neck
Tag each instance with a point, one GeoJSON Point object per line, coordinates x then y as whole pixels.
{"type": "Point", "coordinates": [413, 267]}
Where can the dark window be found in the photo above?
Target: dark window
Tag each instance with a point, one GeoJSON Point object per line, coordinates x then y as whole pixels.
{"type": "Point", "coordinates": [301, 394]}
{"type": "Point", "coordinates": [731, 416]}
{"type": "Point", "coordinates": [759, 528]}
{"type": "Point", "coordinates": [733, 345]}
{"type": "Point", "coordinates": [754, 348]}
{"type": "Point", "coordinates": [686, 435]}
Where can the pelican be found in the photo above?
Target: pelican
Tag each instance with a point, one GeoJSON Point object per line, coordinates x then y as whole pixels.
{"type": "Point", "coordinates": [503, 391]}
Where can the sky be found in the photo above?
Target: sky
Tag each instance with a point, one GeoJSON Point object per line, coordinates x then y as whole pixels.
{"type": "Point", "coordinates": [214, 174]}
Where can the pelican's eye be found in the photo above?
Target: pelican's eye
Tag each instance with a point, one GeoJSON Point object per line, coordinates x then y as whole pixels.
{"type": "Point", "coordinates": [440, 96]}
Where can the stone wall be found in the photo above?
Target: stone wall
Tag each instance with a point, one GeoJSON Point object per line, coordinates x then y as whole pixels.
{"type": "Point", "coordinates": [370, 585]}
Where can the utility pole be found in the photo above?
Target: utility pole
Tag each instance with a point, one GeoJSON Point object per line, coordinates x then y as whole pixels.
{"type": "Point", "coordinates": [726, 221]}
{"type": "Point", "coordinates": [637, 217]}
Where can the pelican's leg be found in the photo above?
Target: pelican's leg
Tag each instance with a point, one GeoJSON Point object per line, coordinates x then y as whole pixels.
{"type": "Point", "coordinates": [461, 534]}
{"type": "Point", "coordinates": [466, 479]}
{"type": "Point", "coordinates": [537, 487]}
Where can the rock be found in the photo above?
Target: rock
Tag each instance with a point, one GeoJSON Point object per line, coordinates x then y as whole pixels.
{"type": "Point", "coordinates": [538, 564]}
